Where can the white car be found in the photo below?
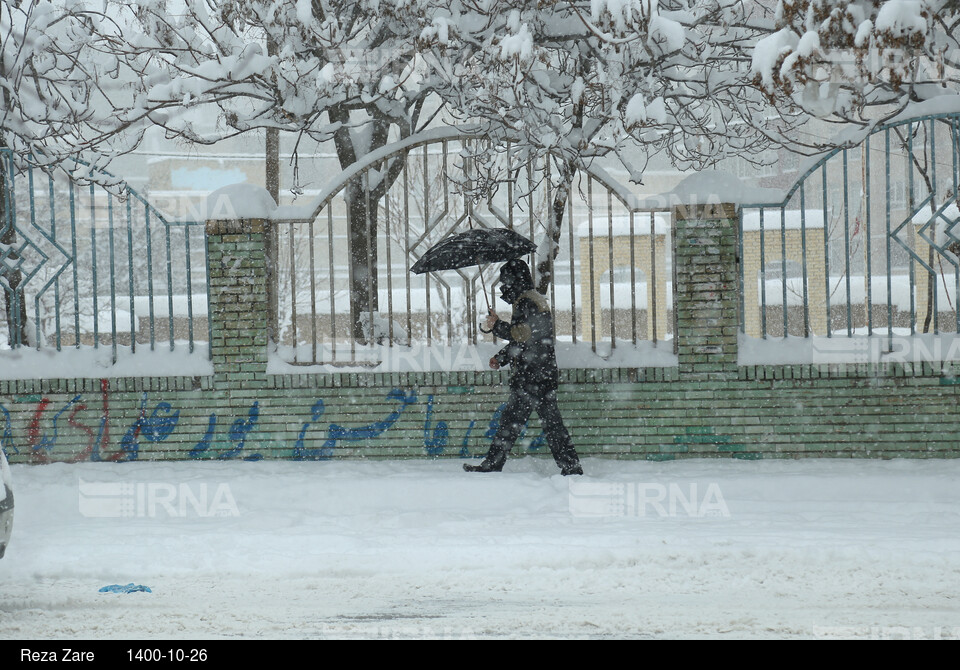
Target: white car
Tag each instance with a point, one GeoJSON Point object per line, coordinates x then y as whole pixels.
{"type": "Point", "coordinates": [6, 504]}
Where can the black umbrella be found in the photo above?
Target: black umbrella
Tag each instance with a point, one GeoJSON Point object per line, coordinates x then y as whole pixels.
{"type": "Point", "coordinates": [474, 247]}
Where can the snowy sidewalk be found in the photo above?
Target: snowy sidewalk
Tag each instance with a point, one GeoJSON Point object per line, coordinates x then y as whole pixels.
{"type": "Point", "coordinates": [401, 549]}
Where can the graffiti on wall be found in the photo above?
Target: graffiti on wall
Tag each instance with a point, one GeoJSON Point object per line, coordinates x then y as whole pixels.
{"type": "Point", "coordinates": [237, 435]}
{"type": "Point", "coordinates": [337, 433]}
{"type": "Point", "coordinates": [157, 422]}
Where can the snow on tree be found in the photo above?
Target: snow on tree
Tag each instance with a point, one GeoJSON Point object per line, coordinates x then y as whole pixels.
{"type": "Point", "coordinates": [570, 82]}
{"type": "Point", "coordinates": [856, 62]}
{"type": "Point", "coordinates": [61, 87]}
{"type": "Point", "coordinates": [696, 81]}
{"type": "Point", "coordinates": [614, 79]}
{"type": "Point", "coordinates": [331, 70]}
{"type": "Point", "coordinates": [66, 87]}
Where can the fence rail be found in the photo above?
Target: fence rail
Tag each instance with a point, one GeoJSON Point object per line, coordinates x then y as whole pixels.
{"type": "Point", "coordinates": [86, 266]}
{"type": "Point", "coordinates": [865, 242]}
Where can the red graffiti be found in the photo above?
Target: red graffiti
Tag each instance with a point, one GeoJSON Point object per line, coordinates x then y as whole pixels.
{"type": "Point", "coordinates": [40, 445]}
{"type": "Point", "coordinates": [85, 454]}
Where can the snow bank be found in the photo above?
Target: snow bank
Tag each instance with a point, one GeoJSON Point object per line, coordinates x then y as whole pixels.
{"type": "Point", "coordinates": [792, 219]}
{"type": "Point", "coordinates": [420, 549]}
{"type": "Point", "coordinates": [89, 363]}
{"type": "Point", "coordinates": [619, 226]}
{"type": "Point", "coordinates": [861, 347]}
{"type": "Point", "coordinates": [899, 290]}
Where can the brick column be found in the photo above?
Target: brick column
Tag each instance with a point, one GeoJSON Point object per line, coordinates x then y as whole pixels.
{"type": "Point", "coordinates": [238, 303]}
{"type": "Point", "coordinates": [706, 293]}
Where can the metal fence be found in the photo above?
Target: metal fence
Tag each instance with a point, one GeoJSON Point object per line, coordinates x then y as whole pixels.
{"type": "Point", "coordinates": [612, 273]}
{"type": "Point", "coordinates": [85, 266]}
{"type": "Point", "coordinates": [865, 243]}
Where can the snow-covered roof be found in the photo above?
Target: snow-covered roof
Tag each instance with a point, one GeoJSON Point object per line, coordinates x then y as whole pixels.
{"type": "Point", "coordinates": [619, 226]}
{"type": "Point", "coordinates": [792, 219]}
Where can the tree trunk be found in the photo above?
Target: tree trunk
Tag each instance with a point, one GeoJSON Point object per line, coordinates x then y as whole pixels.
{"type": "Point", "coordinates": [931, 287]}
{"type": "Point", "coordinates": [272, 181]}
{"type": "Point", "coordinates": [558, 207]}
{"type": "Point", "coordinates": [362, 199]}
{"type": "Point", "coordinates": [272, 178]}
{"type": "Point", "coordinates": [15, 306]}
{"type": "Point", "coordinates": [364, 280]}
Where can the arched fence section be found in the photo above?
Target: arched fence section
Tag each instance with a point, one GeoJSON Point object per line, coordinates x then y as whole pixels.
{"type": "Point", "coordinates": [865, 243]}
{"type": "Point", "coordinates": [89, 267]}
{"type": "Point", "coordinates": [611, 273]}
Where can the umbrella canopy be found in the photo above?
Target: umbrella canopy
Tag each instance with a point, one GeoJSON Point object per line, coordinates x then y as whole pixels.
{"type": "Point", "coordinates": [474, 247]}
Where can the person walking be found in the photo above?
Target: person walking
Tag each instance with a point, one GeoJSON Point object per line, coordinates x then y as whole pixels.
{"type": "Point", "coordinates": [532, 358]}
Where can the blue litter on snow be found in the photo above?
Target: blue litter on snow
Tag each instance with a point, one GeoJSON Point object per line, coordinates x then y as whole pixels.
{"type": "Point", "coordinates": [127, 588]}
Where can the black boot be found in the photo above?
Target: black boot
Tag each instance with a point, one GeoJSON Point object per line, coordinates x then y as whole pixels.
{"type": "Point", "coordinates": [484, 466]}
{"type": "Point", "coordinates": [568, 460]}
{"type": "Point", "coordinates": [493, 462]}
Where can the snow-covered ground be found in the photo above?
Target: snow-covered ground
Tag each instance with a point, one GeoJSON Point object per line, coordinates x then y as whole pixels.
{"type": "Point", "coordinates": [420, 549]}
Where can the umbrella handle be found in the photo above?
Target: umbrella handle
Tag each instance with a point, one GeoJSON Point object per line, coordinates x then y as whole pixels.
{"type": "Point", "coordinates": [486, 298]}
{"type": "Point", "coordinates": [483, 285]}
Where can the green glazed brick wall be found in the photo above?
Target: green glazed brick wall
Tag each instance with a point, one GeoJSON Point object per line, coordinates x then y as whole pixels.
{"type": "Point", "coordinates": [237, 280]}
{"type": "Point", "coordinates": [766, 411]}
{"type": "Point", "coordinates": [707, 406]}
{"type": "Point", "coordinates": [706, 300]}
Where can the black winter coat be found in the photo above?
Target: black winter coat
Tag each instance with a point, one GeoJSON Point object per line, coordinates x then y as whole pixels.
{"type": "Point", "coordinates": [530, 352]}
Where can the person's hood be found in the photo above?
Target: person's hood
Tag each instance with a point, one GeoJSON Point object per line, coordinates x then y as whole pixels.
{"type": "Point", "coordinates": [515, 279]}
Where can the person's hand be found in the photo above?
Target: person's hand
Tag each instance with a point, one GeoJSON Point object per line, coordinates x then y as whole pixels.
{"type": "Point", "coordinates": [491, 321]}
{"type": "Point", "coordinates": [494, 363]}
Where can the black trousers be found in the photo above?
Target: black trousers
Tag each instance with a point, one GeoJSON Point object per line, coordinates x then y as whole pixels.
{"type": "Point", "coordinates": [520, 406]}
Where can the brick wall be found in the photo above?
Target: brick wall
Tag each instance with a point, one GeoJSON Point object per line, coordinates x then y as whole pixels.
{"type": "Point", "coordinates": [708, 405]}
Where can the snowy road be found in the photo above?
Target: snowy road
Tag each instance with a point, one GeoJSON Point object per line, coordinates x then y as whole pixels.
{"type": "Point", "coordinates": [420, 549]}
